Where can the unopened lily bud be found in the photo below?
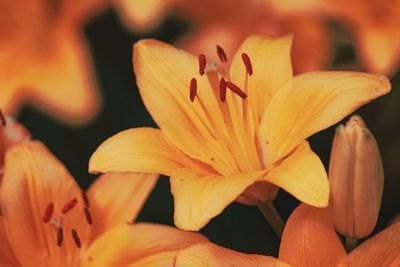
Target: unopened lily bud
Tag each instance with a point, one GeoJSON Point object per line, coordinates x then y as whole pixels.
{"type": "Point", "coordinates": [355, 179]}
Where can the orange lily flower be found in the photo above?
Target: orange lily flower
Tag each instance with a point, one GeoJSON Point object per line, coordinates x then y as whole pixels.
{"type": "Point", "coordinates": [309, 239]}
{"type": "Point", "coordinates": [46, 220]}
{"type": "Point", "coordinates": [236, 135]}
{"type": "Point", "coordinates": [229, 22]}
{"type": "Point", "coordinates": [375, 24]}
{"type": "Point", "coordinates": [44, 58]}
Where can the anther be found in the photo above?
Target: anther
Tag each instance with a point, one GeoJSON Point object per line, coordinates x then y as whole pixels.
{"type": "Point", "coordinates": [85, 199]}
{"type": "Point", "coordinates": [247, 63]}
{"type": "Point", "coordinates": [2, 118]}
{"type": "Point", "coordinates": [48, 212]}
{"type": "Point", "coordinates": [88, 216]}
{"type": "Point", "coordinates": [235, 89]}
{"type": "Point", "coordinates": [222, 89]}
{"type": "Point", "coordinates": [69, 205]}
{"type": "Point", "coordinates": [202, 64]}
{"type": "Point", "coordinates": [60, 236]}
{"type": "Point", "coordinates": [193, 89]}
{"type": "Point", "coordinates": [76, 238]}
{"type": "Point", "coordinates": [221, 54]}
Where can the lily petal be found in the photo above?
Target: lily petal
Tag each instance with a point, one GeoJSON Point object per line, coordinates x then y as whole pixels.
{"type": "Point", "coordinates": [303, 175]}
{"type": "Point", "coordinates": [163, 75]}
{"type": "Point", "coordinates": [134, 242]}
{"type": "Point", "coordinates": [117, 198]}
{"type": "Point", "coordinates": [270, 59]}
{"type": "Point", "coordinates": [142, 150]}
{"type": "Point", "coordinates": [199, 197]}
{"type": "Point", "coordinates": [311, 102]}
{"type": "Point", "coordinates": [209, 254]}
{"type": "Point", "coordinates": [382, 249]}
{"type": "Point", "coordinates": [309, 239]}
{"type": "Point", "coordinates": [6, 254]}
{"type": "Point", "coordinates": [33, 178]}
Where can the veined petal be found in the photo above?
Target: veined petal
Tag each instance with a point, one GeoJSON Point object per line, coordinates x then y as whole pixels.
{"type": "Point", "coordinates": [142, 150]}
{"type": "Point", "coordinates": [209, 254]}
{"type": "Point", "coordinates": [199, 197]}
{"type": "Point", "coordinates": [303, 175]}
{"type": "Point", "coordinates": [117, 198]}
{"type": "Point", "coordinates": [134, 242]}
{"type": "Point", "coordinates": [383, 249]}
{"type": "Point", "coordinates": [6, 254]}
{"type": "Point", "coordinates": [309, 239]}
{"type": "Point", "coordinates": [311, 102]}
{"type": "Point", "coordinates": [141, 14]}
{"type": "Point", "coordinates": [270, 59]}
{"type": "Point", "coordinates": [32, 179]}
{"type": "Point", "coordinates": [163, 75]}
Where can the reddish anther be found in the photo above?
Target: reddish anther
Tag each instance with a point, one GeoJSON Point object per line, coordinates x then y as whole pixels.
{"type": "Point", "coordinates": [193, 89]}
{"type": "Point", "coordinates": [202, 64]}
{"type": "Point", "coordinates": [222, 89]}
{"type": "Point", "coordinates": [235, 89]}
{"type": "Point", "coordinates": [221, 54]}
{"type": "Point", "coordinates": [85, 199]}
{"type": "Point", "coordinates": [48, 212]}
{"type": "Point", "coordinates": [247, 63]}
{"type": "Point", "coordinates": [88, 216]}
{"type": "Point", "coordinates": [76, 238]}
{"type": "Point", "coordinates": [69, 205]}
{"type": "Point", "coordinates": [2, 118]}
{"type": "Point", "coordinates": [60, 236]}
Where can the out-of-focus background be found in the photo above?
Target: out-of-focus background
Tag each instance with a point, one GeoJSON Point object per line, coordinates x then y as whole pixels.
{"type": "Point", "coordinates": [239, 227]}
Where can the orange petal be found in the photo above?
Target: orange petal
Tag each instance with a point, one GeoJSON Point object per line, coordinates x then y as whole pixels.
{"type": "Point", "coordinates": [117, 198]}
{"type": "Point", "coordinates": [130, 243]}
{"type": "Point", "coordinates": [199, 197]}
{"type": "Point", "coordinates": [309, 239]}
{"type": "Point", "coordinates": [63, 83]}
{"type": "Point", "coordinates": [383, 249]}
{"type": "Point", "coordinates": [163, 75]}
{"type": "Point", "coordinates": [33, 178]}
{"type": "Point", "coordinates": [303, 175]}
{"type": "Point", "coordinates": [272, 68]}
{"type": "Point", "coordinates": [140, 14]}
{"type": "Point", "coordinates": [209, 254]}
{"type": "Point", "coordinates": [6, 254]}
{"type": "Point", "coordinates": [143, 150]}
{"type": "Point", "coordinates": [311, 102]}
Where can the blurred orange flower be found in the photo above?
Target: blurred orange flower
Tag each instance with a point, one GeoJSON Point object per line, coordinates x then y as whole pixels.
{"type": "Point", "coordinates": [229, 22]}
{"type": "Point", "coordinates": [44, 58]}
{"type": "Point", "coordinates": [46, 220]}
{"type": "Point", "coordinates": [234, 135]}
{"type": "Point", "coordinates": [309, 239]}
{"type": "Point", "coordinates": [374, 23]}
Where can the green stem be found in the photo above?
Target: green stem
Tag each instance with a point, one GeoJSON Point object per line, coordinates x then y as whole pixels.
{"type": "Point", "coordinates": [272, 216]}
{"type": "Point", "coordinates": [350, 243]}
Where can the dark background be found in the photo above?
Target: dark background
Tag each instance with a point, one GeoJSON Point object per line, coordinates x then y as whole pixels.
{"type": "Point", "coordinates": [239, 227]}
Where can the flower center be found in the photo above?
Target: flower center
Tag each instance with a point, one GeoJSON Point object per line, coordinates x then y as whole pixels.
{"type": "Point", "coordinates": [56, 221]}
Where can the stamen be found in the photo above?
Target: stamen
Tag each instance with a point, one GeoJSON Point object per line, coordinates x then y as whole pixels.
{"type": "Point", "coordinates": [2, 118]}
{"type": "Point", "coordinates": [88, 216]}
{"type": "Point", "coordinates": [76, 238]}
{"type": "Point", "coordinates": [247, 63]}
{"type": "Point", "coordinates": [85, 199]}
{"type": "Point", "coordinates": [202, 64]}
{"type": "Point", "coordinates": [235, 89]}
{"type": "Point", "coordinates": [48, 212]}
{"type": "Point", "coordinates": [60, 236]}
{"type": "Point", "coordinates": [69, 205]}
{"type": "Point", "coordinates": [193, 89]}
{"type": "Point", "coordinates": [221, 54]}
{"type": "Point", "coordinates": [222, 89]}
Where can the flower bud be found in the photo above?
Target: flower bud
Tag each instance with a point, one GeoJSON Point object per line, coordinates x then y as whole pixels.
{"type": "Point", "coordinates": [355, 179]}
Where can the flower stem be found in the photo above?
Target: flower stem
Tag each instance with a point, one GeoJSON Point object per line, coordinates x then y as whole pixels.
{"type": "Point", "coordinates": [272, 216]}
{"type": "Point", "coordinates": [350, 243]}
